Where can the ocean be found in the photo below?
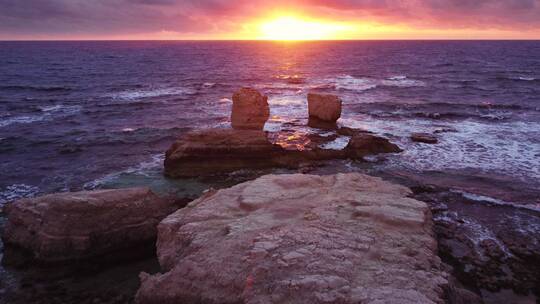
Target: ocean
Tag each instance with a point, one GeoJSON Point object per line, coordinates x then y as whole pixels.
{"type": "Point", "coordinates": [87, 115]}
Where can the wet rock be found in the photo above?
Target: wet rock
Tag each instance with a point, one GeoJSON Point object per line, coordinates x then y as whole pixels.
{"type": "Point", "coordinates": [493, 248]}
{"type": "Point", "coordinates": [80, 225]}
{"type": "Point", "coordinates": [219, 151]}
{"type": "Point", "coordinates": [363, 144]}
{"type": "Point", "coordinates": [346, 131]}
{"type": "Point", "coordinates": [250, 110]}
{"type": "Point", "coordinates": [215, 151]}
{"type": "Point", "coordinates": [424, 138]}
{"type": "Point", "coordinates": [317, 123]}
{"type": "Point", "coordinates": [324, 107]}
{"type": "Point", "coordinates": [345, 238]}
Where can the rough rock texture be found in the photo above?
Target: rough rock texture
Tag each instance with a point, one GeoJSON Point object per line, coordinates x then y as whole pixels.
{"type": "Point", "coordinates": [324, 107]}
{"type": "Point", "coordinates": [345, 238]}
{"type": "Point", "coordinates": [363, 144]}
{"type": "Point", "coordinates": [424, 138]}
{"type": "Point", "coordinates": [250, 109]}
{"type": "Point", "coordinates": [218, 151]}
{"type": "Point", "coordinates": [79, 225]}
{"type": "Point", "coordinates": [494, 248]}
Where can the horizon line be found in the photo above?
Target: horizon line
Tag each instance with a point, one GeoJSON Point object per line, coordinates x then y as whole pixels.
{"type": "Point", "coordinates": [263, 40]}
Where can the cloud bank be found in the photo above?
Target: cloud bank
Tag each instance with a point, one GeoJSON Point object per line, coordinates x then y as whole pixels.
{"type": "Point", "coordinates": [118, 18]}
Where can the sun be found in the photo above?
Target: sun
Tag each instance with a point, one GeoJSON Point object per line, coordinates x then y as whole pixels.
{"type": "Point", "coordinates": [295, 28]}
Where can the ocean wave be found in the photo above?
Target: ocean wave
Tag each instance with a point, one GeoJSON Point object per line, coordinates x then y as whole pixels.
{"type": "Point", "coordinates": [508, 148]}
{"type": "Point", "coordinates": [525, 78]}
{"type": "Point", "coordinates": [402, 82]}
{"type": "Point", "coordinates": [517, 78]}
{"type": "Point", "coordinates": [64, 109]}
{"type": "Point", "coordinates": [348, 82]}
{"type": "Point", "coordinates": [48, 113]}
{"type": "Point", "coordinates": [494, 201]}
{"type": "Point", "coordinates": [401, 113]}
{"type": "Point", "coordinates": [145, 169]}
{"type": "Point", "coordinates": [441, 110]}
{"type": "Point", "coordinates": [17, 191]}
{"type": "Point", "coordinates": [287, 100]}
{"type": "Point", "coordinates": [4, 122]}
{"type": "Point", "coordinates": [133, 95]}
{"type": "Point", "coordinates": [291, 79]}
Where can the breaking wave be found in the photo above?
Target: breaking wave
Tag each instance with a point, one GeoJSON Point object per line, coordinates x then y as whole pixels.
{"type": "Point", "coordinates": [133, 95]}
{"type": "Point", "coordinates": [17, 191]}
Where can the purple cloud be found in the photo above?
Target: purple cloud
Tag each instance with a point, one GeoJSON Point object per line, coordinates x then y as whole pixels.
{"type": "Point", "coordinates": [130, 17]}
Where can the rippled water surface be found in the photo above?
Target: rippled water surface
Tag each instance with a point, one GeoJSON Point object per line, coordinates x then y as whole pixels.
{"type": "Point", "coordinates": [77, 115]}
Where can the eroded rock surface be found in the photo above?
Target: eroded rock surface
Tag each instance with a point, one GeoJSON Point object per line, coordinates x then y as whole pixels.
{"type": "Point", "coordinates": [72, 226]}
{"type": "Point", "coordinates": [215, 151]}
{"type": "Point", "coordinates": [493, 247]}
{"type": "Point", "coordinates": [324, 107]}
{"type": "Point", "coordinates": [250, 110]}
{"type": "Point", "coordinates": [345, 238]}
{"type": "Point", "coordinates": [363, 144]}
{"type": "Point", "coordinates": [218, 151]}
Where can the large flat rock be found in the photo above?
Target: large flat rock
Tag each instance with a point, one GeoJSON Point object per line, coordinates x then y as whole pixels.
{"type": "Point", "coordinates": [80, 225]}
{"type": "Point", "coordinates": [214, 151]}
{"type": "Point", "coordinates": [218, 151]}
{"type": "Point", "coordinates": [345, 238]}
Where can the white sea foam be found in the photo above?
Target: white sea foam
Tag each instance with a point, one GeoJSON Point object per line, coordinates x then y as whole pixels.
{"type": "Point", "coordinates": [133, 95]}
{"type": "Point", "coordinates": [495, 201]}
{"type": "Point", "coordinates": [337, 144]}
{"type": "Point", "coordinates": [17, 191]}
{"type": "Point", "coordinates": [20, 120]}
{"type": "Point", "coordinates": [402, 82]}
{"type": "Point", "coordinates": [509, 148]}
{"type": "Point", "coordinates": [50, 108]}
{"type": "Point", "coordinates": [142, 169]}
{"type": "Point", "coordinates": [48, 113]}
{"type": "Point", "coordinates": [288, 106]}
{"type": "Point", "coordinates": [524, 78]}
{"type": "Point", "coordinates": [61, 109]}
{"type": "Point", "coordinates": [348, 82]}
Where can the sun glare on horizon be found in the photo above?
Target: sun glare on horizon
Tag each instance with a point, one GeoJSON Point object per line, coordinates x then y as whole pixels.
{"type": "Point", "coordinates": [289, 28]}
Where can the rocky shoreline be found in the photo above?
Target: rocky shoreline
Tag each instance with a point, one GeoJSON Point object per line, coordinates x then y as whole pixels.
{"type": "Point", "coordinates": [297, 238]}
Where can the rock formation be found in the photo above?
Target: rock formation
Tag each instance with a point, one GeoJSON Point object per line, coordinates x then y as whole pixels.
{"type": "Point", "coordinates": [217, 151]}
{"type": "Point", "coordinates": [363, 144]}
{"type": "Point", "coordinates": [326, 108]}
{"type": "Point", "coordinates": [66, 226]}
{"type": "Point", "coordinates": [424, 138]}
{"type": "Point", "coordinates": [345, 238]}
{"type": "Point", "coordinates": [250, 110]}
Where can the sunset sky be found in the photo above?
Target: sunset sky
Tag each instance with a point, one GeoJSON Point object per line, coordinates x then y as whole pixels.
{"type": "Point", "coordinates": [269, 19]}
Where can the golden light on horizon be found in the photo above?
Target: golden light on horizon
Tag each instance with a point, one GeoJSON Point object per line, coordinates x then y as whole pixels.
{"type": "Point", "coordinates": [289, 28]}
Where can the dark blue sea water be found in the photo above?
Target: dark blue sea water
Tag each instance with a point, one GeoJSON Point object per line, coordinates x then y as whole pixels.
{"type": "Point", "coordinates": [77, 115]}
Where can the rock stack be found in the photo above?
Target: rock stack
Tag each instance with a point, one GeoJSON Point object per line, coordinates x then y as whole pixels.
{"type": "Point", "coordinates": [247, 146]}
{"type": "Point", "coordinates": [250, 110]}
{"type": "Point", "coordinates": [326, 108]}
